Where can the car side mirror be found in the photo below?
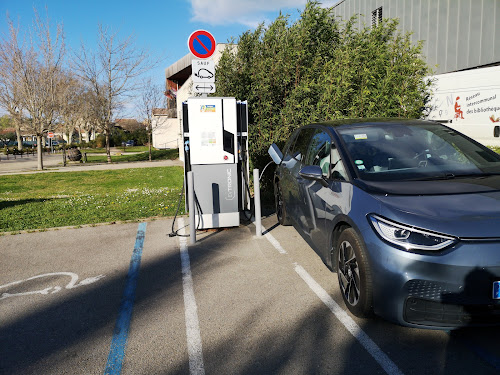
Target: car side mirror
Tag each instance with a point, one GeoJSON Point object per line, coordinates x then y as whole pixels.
{"type": "Point", "coordinates": [314, 173]}
{"type": "Point", "coordinates": [275, 154]}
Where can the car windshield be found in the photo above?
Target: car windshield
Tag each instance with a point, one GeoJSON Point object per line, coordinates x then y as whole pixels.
{"type": "Point", "coordinates": [400, 152]}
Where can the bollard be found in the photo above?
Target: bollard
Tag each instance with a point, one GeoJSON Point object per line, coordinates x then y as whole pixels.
{"type": "Point", "coordinates": [192, 224]}
{"type": "Point", "coordinates": [256, 195]}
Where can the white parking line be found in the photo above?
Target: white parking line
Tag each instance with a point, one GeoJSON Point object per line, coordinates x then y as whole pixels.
{"type": "Point", "coordinates": [195, 350]}
{"type": "Point", "coordinates": [382, 359]}
{"type": "Point", "coordinates": [273, 240]}
{"type": "Point", "coordinates": [372, 348]}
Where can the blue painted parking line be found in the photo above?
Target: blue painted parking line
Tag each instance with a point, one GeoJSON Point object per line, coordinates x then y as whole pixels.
{"type": "Point", "coordinates": [120, 333]}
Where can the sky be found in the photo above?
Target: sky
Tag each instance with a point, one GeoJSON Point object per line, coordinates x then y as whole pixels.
{"type": "Point", "coordinates": [163, 27]}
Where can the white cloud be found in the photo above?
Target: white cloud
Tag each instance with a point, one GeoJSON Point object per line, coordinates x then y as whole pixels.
{"type": "Point", "coordinates": [246, 12]}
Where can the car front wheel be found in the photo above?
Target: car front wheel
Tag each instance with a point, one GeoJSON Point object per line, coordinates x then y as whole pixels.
{"type": "Point", "coordinates": [353, 274]}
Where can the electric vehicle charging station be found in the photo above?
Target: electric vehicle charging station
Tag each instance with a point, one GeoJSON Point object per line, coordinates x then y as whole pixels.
{"type": "Point", "coordinates": [215, 136]}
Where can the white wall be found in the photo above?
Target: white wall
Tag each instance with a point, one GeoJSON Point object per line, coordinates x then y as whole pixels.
{"type": "Point", "coordinates": [470, 102]}
{"type": "Point", "coordinates": [165, 132]}
{"type": "Point", "coordinates": [184, 92]}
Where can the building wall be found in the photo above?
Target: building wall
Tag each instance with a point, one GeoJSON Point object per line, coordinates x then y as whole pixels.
{"type": "Point", "coordinates": [184, 92]}
{"type": "Point", "coordinates": [458, 34]}
{"type": "Point", "coordinates": [165, 133]}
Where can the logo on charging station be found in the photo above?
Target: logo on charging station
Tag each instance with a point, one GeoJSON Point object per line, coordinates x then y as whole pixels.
{"type": "Point", "coordinates": [207, 108]}
{"type": "Point", "coordinates": [230, 191]}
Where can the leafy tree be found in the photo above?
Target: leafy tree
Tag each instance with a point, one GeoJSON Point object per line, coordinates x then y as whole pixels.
{"type": "Point", "coordinates": [319, 68]}
{"type": "Point", "coordinates": [5, 122]}
{"type": "Point", "coordinates": [118, 136]}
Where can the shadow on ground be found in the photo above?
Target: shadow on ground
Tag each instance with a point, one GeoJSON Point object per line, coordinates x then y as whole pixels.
{"type": "Point", "coordinates": [307, 345]}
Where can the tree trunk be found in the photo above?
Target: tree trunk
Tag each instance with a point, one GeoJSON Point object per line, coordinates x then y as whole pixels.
{"type": "Point", "coordinates": [39, 152]}
{"type": "Point", "coordinates": [19, 138]}
{"type": "Point", "coordinates": [149, 136]}
{"type": "Point", "coordinates": [108, 148]}
{"type": "Point", "coordinates": [64, 154]}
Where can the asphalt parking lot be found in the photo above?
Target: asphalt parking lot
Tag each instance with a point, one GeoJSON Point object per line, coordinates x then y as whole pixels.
{"type": "Point", "coordinates": [128, 298]}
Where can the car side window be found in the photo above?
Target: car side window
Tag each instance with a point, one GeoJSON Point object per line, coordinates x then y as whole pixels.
{"type": "Point", "coordinates": [298, 150]}
{"type": "Point", "coordinates": [319, 151]}
{"type": "Point", "coordinates": [338, 168]}
{"type": "Point", "coordinates": [289, 146]}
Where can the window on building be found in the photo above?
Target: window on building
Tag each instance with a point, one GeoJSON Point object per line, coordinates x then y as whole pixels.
{"type": "Point", "coordinates": [377, 17]}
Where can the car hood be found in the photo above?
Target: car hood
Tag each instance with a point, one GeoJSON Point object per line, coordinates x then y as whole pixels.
{"type": "Point", "coordinates": [435, 187]}
{"type": "Point", "coordinates": [466, 215]}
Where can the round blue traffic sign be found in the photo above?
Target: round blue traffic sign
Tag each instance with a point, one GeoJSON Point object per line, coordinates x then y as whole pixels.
{"type": "Point", "coordinates": [201, 44]}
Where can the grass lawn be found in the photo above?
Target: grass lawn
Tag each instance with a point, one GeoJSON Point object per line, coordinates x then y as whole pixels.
{"type": "Point", "coordinates": [143, 156]}
{"type": "Point", "coordinates": [102, 150]}
{"type": "Point", "coordinates": [93, 150]}
{"type": "Point", "coordinates": [134, 148]}
{"type": "Point", "coordinates": [46, 200]}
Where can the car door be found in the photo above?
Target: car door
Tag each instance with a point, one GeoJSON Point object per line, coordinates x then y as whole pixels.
{"type": "Point", "coordinates": [293, 161]}
{"type": "Point", "coordinates": [324, 201]}
{"type": "Point", "coordinates": [312, 207]}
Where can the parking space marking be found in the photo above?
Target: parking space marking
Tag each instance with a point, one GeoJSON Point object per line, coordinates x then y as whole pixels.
{"type": "Point", "coordinates": [195, 350]}
{"type": "Point", "coordinates": [51, 289]}
{"type": "Point", "coordinates": [372, 348]}
{"type": "Point", "coordinates": [120, 333]}
{"type": "Point", "coordinates": [273, 240]}
{"type": "Point", "coordinates": [382, 359]}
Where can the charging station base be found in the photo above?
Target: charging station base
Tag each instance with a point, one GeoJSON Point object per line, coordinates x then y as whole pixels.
{"type": "Point", "coordinates": [216, 188]}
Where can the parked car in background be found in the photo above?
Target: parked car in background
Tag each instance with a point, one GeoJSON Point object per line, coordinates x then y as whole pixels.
{"type": "Point", "coordinates": [129, 143]}
{"type": "Point", "coordinates": [406, 212]}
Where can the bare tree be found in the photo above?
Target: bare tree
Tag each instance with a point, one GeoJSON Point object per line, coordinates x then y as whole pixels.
{"type": "Point", "coordinates": [9, 90]}
{"type": "Point", "coordinates": [111, 73]}
{"type": "Point", "coordinates": [89, 114]}
{"type": "Point", "coordinates": [37, 68]}
{"type": "Point", "coordinates": [152, 97]}
{"type": "Point", "coordinates": [72, 97]}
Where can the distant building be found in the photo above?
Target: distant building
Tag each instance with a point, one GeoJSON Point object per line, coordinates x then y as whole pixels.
{"type": "Point", "coordinates": [458, 34]}
{"type": "Point", "coordinates": [167, 124]}
{"type": "Point", "coordinates": [462, 39]}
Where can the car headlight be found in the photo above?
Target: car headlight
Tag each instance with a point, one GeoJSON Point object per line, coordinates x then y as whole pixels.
{"type": "Point", "coordinates": [409, 238]}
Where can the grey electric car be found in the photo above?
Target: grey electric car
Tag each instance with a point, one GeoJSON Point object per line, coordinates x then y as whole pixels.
{"type": "Point", "coordinates": [407, 212]}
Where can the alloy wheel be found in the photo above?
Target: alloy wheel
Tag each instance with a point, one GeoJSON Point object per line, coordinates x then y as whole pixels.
{"type": "Point", "coordinates": [348, 273]}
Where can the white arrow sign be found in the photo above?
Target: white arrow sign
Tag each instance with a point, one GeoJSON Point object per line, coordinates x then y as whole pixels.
{"type": "Point", "coordinates": [203, 71]}
{"type": "Point", "coordinates": [204, 88]}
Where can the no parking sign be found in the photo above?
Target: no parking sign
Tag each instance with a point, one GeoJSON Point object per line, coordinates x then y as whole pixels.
{"type": "Point", "coordinates": [201, 44]}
